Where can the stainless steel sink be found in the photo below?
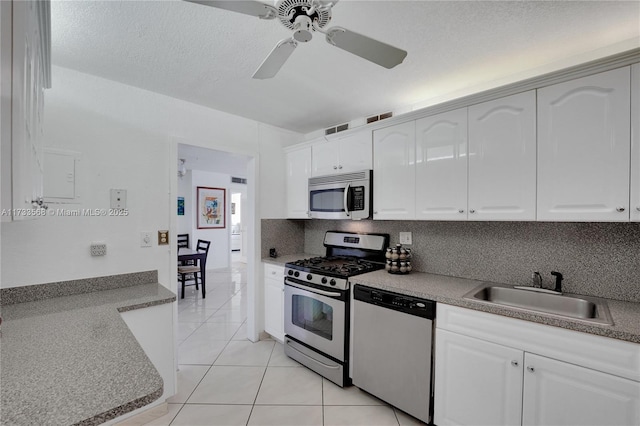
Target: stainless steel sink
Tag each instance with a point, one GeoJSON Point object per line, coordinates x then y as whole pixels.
{"type": "Point", "coordinates": [572, 306]}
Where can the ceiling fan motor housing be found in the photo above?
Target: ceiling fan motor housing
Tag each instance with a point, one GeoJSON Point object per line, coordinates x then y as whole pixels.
{"type": "Point", "coordinates": [290, 10]}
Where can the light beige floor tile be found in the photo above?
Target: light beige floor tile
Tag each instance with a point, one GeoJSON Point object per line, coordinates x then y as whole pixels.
{"type": "Point", "coordinates": [246, 353]}
{"type": "Point", "coordinates": [241, 334]}
{"type": "Point", "coordinates": [185, 329]}
{"type": "Point", "coordinates": [351, 395]}
{"type": "Point", "coordinates": [290, 386]}
{"type": "Point", "coordinates": [167, 418]}
{"type": "Point", "coordinates": [407, 420]}
{"type": "Point", "coordinates": [212, 415]}
{"type": "Point", "coordinates": [228, 385]}
{"type": "Point", "coordinates": [189, 315]}
{"type": "Point", "coordinates": [359, 416]}
{"type": "Point", "coordinates": [227, 315]}
{"type": "Point", "coordinates": [188, 378]}
{"type": "Point", "coordinates": [195, 351]}
{"type": "Point", "coordinates": [286, 415]}
{"type": "Point", "coordinates": [279, 359]}
{"type": "Point", "coordinates": [216, 331]}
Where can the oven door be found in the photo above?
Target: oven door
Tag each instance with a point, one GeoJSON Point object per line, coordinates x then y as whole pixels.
{"type": "Point", "coordinates": [316, 317]}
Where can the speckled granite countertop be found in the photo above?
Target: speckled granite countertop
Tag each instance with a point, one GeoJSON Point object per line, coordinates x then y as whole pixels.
{"type": "Point", "coordinates": [449, 290]}
{"type": "Point", "coordinates": [73, 360]}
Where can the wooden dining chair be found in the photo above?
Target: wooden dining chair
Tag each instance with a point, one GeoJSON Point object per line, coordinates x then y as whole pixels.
{"type": "Point", "coordinates": [183, 240]}
{"type": "Point", "coordinates": [194, 270]}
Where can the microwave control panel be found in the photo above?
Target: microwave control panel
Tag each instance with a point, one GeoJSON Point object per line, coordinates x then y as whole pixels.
{"type": "Point", "coordinates": [357, 198]}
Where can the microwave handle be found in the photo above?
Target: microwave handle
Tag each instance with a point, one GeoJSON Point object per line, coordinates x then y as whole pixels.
{"type": "Point", "coordinates": [346, 197]}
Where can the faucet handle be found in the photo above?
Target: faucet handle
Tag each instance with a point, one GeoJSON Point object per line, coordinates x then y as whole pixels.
{"type": "Point", "coordinates": [536, 278]}
{"type": "Point", "coordinates": [558, 276]}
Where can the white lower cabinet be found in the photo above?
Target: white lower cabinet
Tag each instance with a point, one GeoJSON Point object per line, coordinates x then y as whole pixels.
{"type": "Point", "coordinates": [486, 373]}
{"type": "Point", "coordinates": [558, 393]}
{"type": "Point", "coordinates": [274, 300]}
{"type": "Point", "coordinates": [477, 382]}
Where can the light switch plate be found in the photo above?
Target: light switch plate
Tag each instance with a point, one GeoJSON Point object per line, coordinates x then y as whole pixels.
{"type": "Point", "coordinates": [405, 238]}
{"type": "Point", "coordinates": [163, 238]}
{"type": "Point", "coordinates": [145, 239]}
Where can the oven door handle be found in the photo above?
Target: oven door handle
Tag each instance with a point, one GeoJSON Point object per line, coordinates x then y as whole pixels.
{"type": "Point", "coordinates": [333, 367]}
{"type": "Point", "coordinates": [312, 290]}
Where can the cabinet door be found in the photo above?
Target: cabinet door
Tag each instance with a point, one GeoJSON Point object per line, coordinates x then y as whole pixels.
{"type": "Point", "coordinates": [355, 152]}
{"type": "Point", "coordinates": [583, 148]}
{"type": "Point", "coordinates": [298, 173]}
{"type": "Point", "coordinates": [635, 143]}
{"type": "Point", "coordinates": [502, 159]}
{"type": "Point", "coordinates": [324, 159]}
{"type": "Point", "coordinates": [557, 393]}
{"type": "Point", "coordinates": [394, 172]}
{"type": "Point", "coordinates": [441, 166]}
{"type": "Point", "coordinates": [274, 301]}
{"type": "Point", "coordinates": [476, 382]}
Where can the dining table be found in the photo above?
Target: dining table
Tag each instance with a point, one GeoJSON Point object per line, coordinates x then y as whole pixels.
{"type": "Point", "coordinates": [185, 254]}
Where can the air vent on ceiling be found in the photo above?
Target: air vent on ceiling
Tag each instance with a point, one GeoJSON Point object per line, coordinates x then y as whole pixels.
{"type": "Point", "coordinates": [238, 180]}
{"type": "Point", "coordinates": [340, 128]}
{"type": "Point", "coordinates": [379, 117]}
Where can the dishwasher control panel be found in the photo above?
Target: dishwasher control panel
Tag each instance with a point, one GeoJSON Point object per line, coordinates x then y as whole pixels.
{"type": "Point", "coordinates": [399, 302]}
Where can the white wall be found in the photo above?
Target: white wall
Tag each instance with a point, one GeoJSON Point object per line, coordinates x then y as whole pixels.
{"type": "Point", "coordinates": [124, 135]}
{"type": "Point", "coordinates": [184, 223]}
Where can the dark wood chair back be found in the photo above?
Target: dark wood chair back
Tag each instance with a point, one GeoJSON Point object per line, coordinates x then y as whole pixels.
{"type": "Point", "coordinates": [183, 240]}
{"type": "Point", "coordinates": [203, 245]}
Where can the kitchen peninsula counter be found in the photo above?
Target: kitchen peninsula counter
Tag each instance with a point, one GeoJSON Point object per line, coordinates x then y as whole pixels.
{"type": "Point", "coordinates": [450, 290]}
{"type": "Point", "coordinates": [73, 360]}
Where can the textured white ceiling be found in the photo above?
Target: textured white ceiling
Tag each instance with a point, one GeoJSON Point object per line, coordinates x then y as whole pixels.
{"type": "Point", "coordinates": [207, 55]}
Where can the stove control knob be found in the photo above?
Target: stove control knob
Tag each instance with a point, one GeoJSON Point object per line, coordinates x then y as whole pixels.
{"type": "Point", "coordinates": [290, 272]}
{"type": "Point", "coordinates": [324, 280]}
{"type": "Point", "coordinates": [332, 282]}
{"type": "Point", "coordinates": [309, 277]}
{"type": "Point", "coordinates": [296, 274]}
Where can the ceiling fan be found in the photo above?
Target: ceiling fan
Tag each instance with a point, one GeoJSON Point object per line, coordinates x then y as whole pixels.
{"type": "Point", "coordinates": [303, 17]}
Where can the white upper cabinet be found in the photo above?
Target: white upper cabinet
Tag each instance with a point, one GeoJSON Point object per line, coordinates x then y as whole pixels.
{"type": "Point", "coordinates": [348, 154]}
{"type": "Point", "coordinates": [298, 174]}
{"type": "Point", "coordinates": [635, 143]}
{"type": "Point", "coordinates": [394, 156]}
{"type": "Point", "coordinates": [583, 148]}
{"type": "Point", "coordinates": [441, 166]}
{"type": "Point", "coordinates": [502, 158]}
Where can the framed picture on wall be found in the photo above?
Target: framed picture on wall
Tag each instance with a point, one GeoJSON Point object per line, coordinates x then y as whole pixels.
{"type": "Point", "coordinates": [211, 208]}
{"type": "Point", "coordinates": [180, 206]}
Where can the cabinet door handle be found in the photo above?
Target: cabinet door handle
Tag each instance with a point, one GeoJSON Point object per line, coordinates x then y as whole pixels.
{"type": "Point", "coordinates": [335, 167]}
{"type": "Point", "coordinates": [472, 211]}
{"type": "Point", "coordinates": [531, 369]}
{"type": "Point", "coordinates": [515, 363]}
{"type": "Point", "coordinates": [460, 211]}
{"type": "Point", "coordinates": [620, 209]}
{"type": "Point", "coordinates": [638, 208]}
{"type": "Point", "coordinates": [340, 167]}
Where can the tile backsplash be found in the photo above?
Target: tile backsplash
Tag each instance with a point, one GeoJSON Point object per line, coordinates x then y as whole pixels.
{"type": "Point", "coordinates": [597, 259]}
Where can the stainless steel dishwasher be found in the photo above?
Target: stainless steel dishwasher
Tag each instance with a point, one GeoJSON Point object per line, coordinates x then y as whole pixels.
{"type": "Point", "coordinates": [392, 342]}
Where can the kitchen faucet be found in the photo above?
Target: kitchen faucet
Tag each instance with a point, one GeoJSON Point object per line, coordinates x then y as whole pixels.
{"type": "Point", "coordinates": [558, 276]}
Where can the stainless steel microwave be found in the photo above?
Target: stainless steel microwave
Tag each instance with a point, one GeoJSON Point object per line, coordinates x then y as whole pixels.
{"type": "Point", "coordinates": [343, 196]}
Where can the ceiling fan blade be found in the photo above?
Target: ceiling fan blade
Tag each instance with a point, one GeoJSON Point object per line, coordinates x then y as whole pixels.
{"type": "Point", "coordinates": [248, 7]}
{"type": "Point", "coordinates": [276, 59]}
{"type": "Point", "coordinates": [372, 50]}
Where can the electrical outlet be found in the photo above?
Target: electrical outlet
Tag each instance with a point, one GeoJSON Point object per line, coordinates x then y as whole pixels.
{"type": "Point", "coordinates": [405, 238]}
{"type": "Point", "coordinates": [98, 249]}
{"type": "Point", "coordinates": [163, 238]}
{"type": "Point", "coordinates": [145, 239]}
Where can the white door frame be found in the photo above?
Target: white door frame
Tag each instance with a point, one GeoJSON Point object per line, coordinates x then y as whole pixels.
{"type": "Point", "coordinates": [253, 229]}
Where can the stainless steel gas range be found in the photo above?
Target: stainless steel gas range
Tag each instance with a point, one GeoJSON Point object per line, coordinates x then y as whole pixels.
{"type": "Point", "coordinates": [317, 301]}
